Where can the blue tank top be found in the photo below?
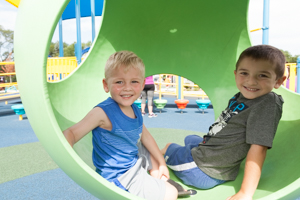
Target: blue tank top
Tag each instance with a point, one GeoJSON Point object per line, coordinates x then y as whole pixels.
{"type": "Point", "coordinates": [116, 151]}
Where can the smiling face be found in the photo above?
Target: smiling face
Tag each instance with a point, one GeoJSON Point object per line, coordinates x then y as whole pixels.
{"type": "Point", "coordinates": [255, 78]}
{"type": "Point", "coordinates": [125, 86]}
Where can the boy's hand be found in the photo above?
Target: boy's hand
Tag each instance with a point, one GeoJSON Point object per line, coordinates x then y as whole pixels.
{"type": "Point", "coordinates": [163, 172]}
{"type": "Point", "coordinates": [240, 196]}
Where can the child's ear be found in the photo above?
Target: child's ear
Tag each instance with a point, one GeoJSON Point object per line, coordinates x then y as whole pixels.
{"type": "Point", "coordinates": [279, 82]}
{"type": "Point", "coordinates": [105, 85]}
{"type": "Point", "coordinates": [144, 83]}
{"type": "Point", "coordinates": [234, 72]}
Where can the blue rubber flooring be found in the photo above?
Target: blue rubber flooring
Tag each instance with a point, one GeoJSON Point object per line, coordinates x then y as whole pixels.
{"type": "Point", "coordinates": [55, 184]}
{"type": "Point", "coordinates": [52, 184]}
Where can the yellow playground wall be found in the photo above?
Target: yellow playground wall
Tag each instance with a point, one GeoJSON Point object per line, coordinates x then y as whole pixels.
{"type": "Point", "coordinates": [291, 69]}
{"type": "Point", "coordinates": [60, 67]}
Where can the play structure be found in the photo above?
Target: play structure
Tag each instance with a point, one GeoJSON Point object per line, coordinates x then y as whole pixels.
{"type": "Point", "coordinates": [160, 103]}
{"type": "Point", "coordinates": [19, 110]}
{"type": "Point", "coordinates": [290, 72]}
{"type": "Point", "coordinates": [203, 104]}
{"type": "Point", "coordinates": [181, 104]}
{"type": "Point", "coordinates": [197, 39]}
{"type": "Point", "coordinates": [9, 89]}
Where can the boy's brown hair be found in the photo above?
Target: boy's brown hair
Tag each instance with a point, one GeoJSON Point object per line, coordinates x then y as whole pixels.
{"type": "Point", "coordinates": [125, 58]}
{"type": "Point", "coordinates": [267, 53]}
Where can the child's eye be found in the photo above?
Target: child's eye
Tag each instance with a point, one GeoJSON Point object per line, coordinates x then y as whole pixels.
{"type": "Point", "coordinates": [119, 82]}
{"type": "Point", "coordinates": [244, 73]}
{"type": "Point", "coordinates": [135, 82]}
{"type": "Point", "coordinates": [263, 76]}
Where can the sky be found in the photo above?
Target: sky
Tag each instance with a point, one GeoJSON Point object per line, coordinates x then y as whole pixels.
{"type": "Point", "coordinates": [284, 31]}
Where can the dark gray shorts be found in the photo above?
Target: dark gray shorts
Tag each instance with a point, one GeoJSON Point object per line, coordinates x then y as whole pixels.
{"type": "Point", "coordinates": [138, 182]}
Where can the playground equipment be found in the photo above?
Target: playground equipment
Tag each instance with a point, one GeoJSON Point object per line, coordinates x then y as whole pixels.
{"type": "Point", "coordinates": [10, 83]}
{"type": "Point", "coordinates": [60, 67]}
{"type": "Point", "coordinates": [181, 104]}
{"type": "Point", "coordinates": [291, 81]}
{"type": "Point", "coordinates": [10, 89]}
{"type": "Point", "coordinates": [203, 104]}
{"type": "Point", "coordinates": [160, 103]}
{"type": "Point", "coordinates": [19, 110]}
{"type": "Point", "coordinates": [189, 51]}
{"type": "Point", "coordinates": [138, 102]}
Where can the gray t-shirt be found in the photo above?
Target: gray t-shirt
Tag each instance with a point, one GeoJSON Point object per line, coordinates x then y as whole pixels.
{"type": "Point", "coordinates": [242, 123]}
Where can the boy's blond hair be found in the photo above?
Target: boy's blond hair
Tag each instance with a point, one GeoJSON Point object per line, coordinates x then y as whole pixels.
{"type": "Point", "coordinates": [125, 58]}
{"type": "Point", "coordinates": [267, 53]}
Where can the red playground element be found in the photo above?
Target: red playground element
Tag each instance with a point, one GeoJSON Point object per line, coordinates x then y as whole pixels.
{"type": "Point", "coordinates": [181, 103]}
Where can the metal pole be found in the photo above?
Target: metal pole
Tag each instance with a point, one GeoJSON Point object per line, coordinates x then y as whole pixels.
{"type": "Point", "coordinates": [78, 28]}
{"type": "Point", "coordinates": [93, 18]}
{"type": "Point", "coordinates": [179, 87]}
{"type": "Point", "coordinates": [265, 27]}
{"type": "Point", "coordinates": [61, 44]}
{"type": "Point", "coordinates": [298, 74]}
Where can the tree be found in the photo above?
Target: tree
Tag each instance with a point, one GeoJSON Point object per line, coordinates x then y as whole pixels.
{"type": "Point", "coordinates": [85, 45]}
{"type": "Point", "coordinates": [6, 42]}
{"type": "Point", "coordinates": [54, 49]}
{"type": "Point", "coordinates": [289, 58]}
{"type": "Point", "coordinates": [69, 50]}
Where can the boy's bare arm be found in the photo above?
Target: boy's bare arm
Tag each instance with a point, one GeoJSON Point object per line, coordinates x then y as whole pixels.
{"type": "Point", "coordinates": [93, 119]}
{"type": "Point", "coordinates": [254, 162]}
{"type": "Point", "coordinates": [150, 144]}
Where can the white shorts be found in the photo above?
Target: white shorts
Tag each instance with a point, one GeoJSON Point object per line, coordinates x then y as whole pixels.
{"type": "Point", "coordinates": [138, 182]}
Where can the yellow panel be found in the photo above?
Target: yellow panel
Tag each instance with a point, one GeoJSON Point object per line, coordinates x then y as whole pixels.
{"type": "Point", "coordinates": [14, 2]}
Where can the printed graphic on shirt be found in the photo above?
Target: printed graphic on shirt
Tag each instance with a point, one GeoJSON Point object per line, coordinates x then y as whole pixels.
{"type": "Point", "coordinates": [233, 108]}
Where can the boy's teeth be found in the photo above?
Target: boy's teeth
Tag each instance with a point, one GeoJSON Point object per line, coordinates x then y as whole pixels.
{"type": "Point", "coordinates": [251, 89]}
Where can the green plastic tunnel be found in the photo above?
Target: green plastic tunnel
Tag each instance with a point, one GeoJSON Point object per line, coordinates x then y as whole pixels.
{"type": "Point", "coordinates": [197, 39]}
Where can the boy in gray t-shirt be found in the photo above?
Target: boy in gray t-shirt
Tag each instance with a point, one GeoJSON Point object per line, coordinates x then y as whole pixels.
{"type": "Point", "coordinates": [246, 128]}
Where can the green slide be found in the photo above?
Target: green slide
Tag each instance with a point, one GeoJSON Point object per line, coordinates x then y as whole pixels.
{"type": "Point", "coordinates": [197, 39]}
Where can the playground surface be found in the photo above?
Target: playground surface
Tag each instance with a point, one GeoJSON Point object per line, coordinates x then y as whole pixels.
{"type": "Point", "coordinates": [28, 172]}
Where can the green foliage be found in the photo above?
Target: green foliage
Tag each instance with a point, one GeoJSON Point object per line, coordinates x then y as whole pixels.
{"type": "Point", "coordinates": [85, 45]}
{"type": "Point", "coordinates": [2, 69]}
{"type": "Point", "coordinates": [69, 50]}
{"type": "Point", "coordinates": [6, 42]}
{"type": "Point", "coordinates": [289, 58]}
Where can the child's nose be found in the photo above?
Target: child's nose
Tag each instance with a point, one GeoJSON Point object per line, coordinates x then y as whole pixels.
{"type": "Point", "coordinates": [252, 80]}
{"type": "Point", "coordinates": [127, 87]}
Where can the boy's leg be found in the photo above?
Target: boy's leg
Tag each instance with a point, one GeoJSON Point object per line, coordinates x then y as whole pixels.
{"type": "Point", "coordinates": [163, 150]}
{"type": "Point", "coordinates": [197, 178]}
{"type": "Point", "coordinates": [192, 140]}
{"type": "Point", "coordinates": [138, 182]}
{"type": "Point", "coordinates": [147, 184]}
{"type": "Point", "coordinates": [180, 160]}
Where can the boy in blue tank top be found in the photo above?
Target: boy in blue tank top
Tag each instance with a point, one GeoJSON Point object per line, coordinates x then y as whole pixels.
{"type": "Point", "coordinates": [123, 148]}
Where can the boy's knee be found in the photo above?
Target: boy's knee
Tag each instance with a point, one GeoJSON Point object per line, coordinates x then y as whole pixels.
{"type": "Point", "coordinates": [163, 151]}
{"type": "Point", "coordinates": [171, 192]}
{"type": "Point", "coordinates": [192, 139]}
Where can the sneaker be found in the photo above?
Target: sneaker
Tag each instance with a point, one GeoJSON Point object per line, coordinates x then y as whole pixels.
{"type": "Point", "coordinates": [143, 114]}
{"type": "Point", "coordinates": [152, 115]}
